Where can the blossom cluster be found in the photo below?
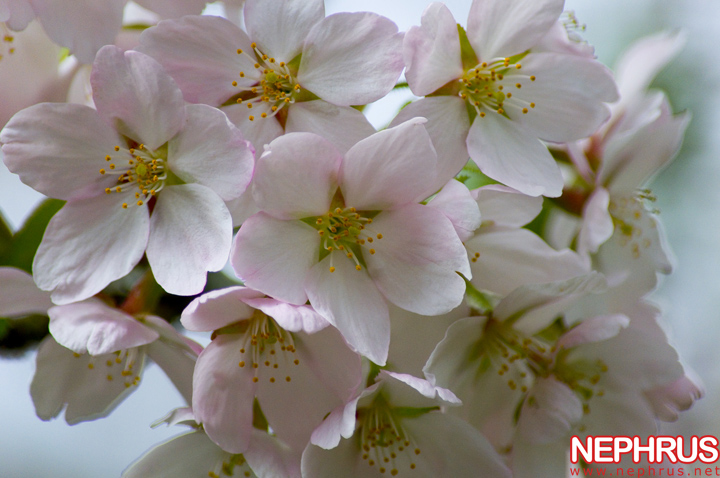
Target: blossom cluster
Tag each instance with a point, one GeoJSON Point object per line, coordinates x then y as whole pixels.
{"type": "Point", "coordinates": [457, 294]}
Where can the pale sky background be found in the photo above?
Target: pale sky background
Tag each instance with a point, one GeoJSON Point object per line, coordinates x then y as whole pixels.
{"type": "Point", "coordinates": [688, 197]}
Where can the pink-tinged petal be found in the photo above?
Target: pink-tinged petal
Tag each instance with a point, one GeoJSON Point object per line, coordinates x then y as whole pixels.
{"type": "Point", "coordinates": [19, 295]}
{"type": "Point", "coordinates": [177, 364]}
{"type": "Point", "coordinates": [174, 8]}
{"type": "Point", "coordinates": [279, 27]}
{"type": "Point", "coordinates": [549, 412]}
{"type": "Point", "coordinates": [644, 60]}
{"type": "Point", "coordinates": [425, 388]}
{"type": "Point", "coordinates": [568, 92]}
{"type": "Point", "coordinates": [390, 169]}
{"type": "Point", "coordinates": [530, 460]}
{"type": "Point", "coordinates": [457, 204]}
{"type": "Point", "coordinates": [268, 457]}
{"type": "Point", "coordinates": [294, 318]}
{"type": "Point", "coordinates": [58, 149]}
{"type": "Point", "coordinates": [191, 454]}
{"type": "Point", "coordinates": [200, 53]}
{"type": "Point", "coordinates": [260, 131]}
{"type": "Point", "coordinates": [219, 308]}
{"type": "Point", "coordinates": [275, 256]}
{"type": "Point", "coordinates": [223, 394]}
{"type": "Point", "coordinates": [82, 26]}
{"type": "Point", "coordinates": [350, 300]}
{"type": "Point", "coordinates": [448, 126]}
{"type": "Point", "coordinates": [190, 234]}
{"type": "Point", "coordinates": [416, 260]}
{"type": "Point", "coordinates": [211, 151]}
{"type": "Point", "coordinates": [507, 28]}
{"type": "Point", "coordinates": [16, 14]}
{"type": "Point", "coordinates": [594, 329]}
{"type": "Point", "coordinates": [136, 96]}
{"type": "Point", "coordinates": [560, 39]}
{"type": "Point", "coordinates": [432, 51]}
{"type": "Point", "coordinates": [510, 153]}
{"type": "Point", "coordinates": [242, 207]}
{"type": "Point", "coordinates": [505, 207]}
{"type": "Point", "coordinates": [597, 226]}
{"type": "Point", "coordinates": [507, 259]}
{"type": "Point", "coordinates": [95, 328]}
{"type": "Point", "coordinates": [342, 126]}
{"type": "Point", "coordinates": [351, 58]}
{"type": "Point", "coordinates": [85, 384]}
{"type": "Point", "coordinates": [669, 400]}
{"type": "Point", "coordinates": [326, 376]}
{"type": "Point", "coordinates": [340, 422]}
{"type": "Point", "coordinates": [296, 176]}
{"type": "Point", "coordinates": [87, 245]}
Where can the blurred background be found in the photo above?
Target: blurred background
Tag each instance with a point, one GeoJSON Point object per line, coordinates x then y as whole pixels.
{"type": "Point", "coordinates": [688, 198]}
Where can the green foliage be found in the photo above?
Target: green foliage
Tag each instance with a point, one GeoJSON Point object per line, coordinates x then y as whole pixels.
{"type": "Point", "coordinates": [21, 250]}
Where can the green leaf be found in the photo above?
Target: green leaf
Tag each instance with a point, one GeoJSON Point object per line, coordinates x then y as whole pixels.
{"type": "Point", "coordinates": [482, 301]}
{"type": "Point", "coordinates": [26, 241]}
{"type": "Point", "coordinates": [5, 239]}
{"type": "Point", "coordinates": [411, 412]}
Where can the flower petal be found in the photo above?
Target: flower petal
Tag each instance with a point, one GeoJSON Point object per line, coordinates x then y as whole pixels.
{"type": "Point", "coordinates": [416, 260]}
{"type": "Point", "coordinates": [508, 152]}
{"type": "Point", "coordinates": [95, 328]}
{"type": "Point", "coordinates": [274, 256]}
{"type": "Point", "coordinates": [84, 383]}
{"type": "Point", "coordinates": [219, 308]}
{"type": "Point", "coordinates": [135, 95]}
{"type": "Point", "coordinates": [200, 53]}
{"type": "Point", "coordinates": [549, 412]}
{"type": "Point", "coordinates": [88, 244]}
{"type": "Point", "coordinates": [457, 204]}
{"type": "Point", "coordinates": [260, 132]}
{"type": "Point", "coordinates": [296, 177]}
{"type": "Point", "coordinates": [432, 51]}
{"type": "Point", "coordinates": [211, 151]}
{"type": "Point", "coordinates": [507, 259]}
{"type": "Point", "coordinates": [295, 318]}
{"type": "Point", "coordinates": [82, 26]}
{"type": "Point", "coordinates": [223, 394]}
{"type": "Point", "coordinates": [390, 169]}
{"type": "Point", "coordinates": [342, 126]}
{"type": "Point", "coordinates": [190, 234]}
{"type": "Point", "coordinates": [509, 27]}
{"type": "Point", "coordinates": [351, 58]}
{"type": "Point", "coordinates": [174, 9]}
{"type": "Point", "coordinates": [280, 26]}
{"type": "Point", "coordinates": [505, 207]}
{"type": "Point", "coordinates": [19, 295]}
{"type": "Point", "coordinates": [349, 300]}
{"type": "Point", "coordinates": [447, 124]}
{"type": "Point", "coordinates": [597, 226]}
{"type": "Point", "coordinates": [58, 149]}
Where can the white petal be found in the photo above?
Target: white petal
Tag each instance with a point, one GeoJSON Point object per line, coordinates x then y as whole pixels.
{"type": "Point", "coordinates": [432, 51]}
{"type": "Point", "coordinates": [88, 387]}
{"type": "Point", "coordinates": [594, 329]}
{"type": "Point", "coordinates": [200, 53]}
{"type": "Point", "coordinates": [416, 260]}
{"type": "Point", "coordinates": [349, 300]}
{"type": "Point", "coordinates": [509, 27]}
{"type": "Point", "coordinates": [176, 363]}
{"type": "Point", "coordinates": [174, 9]}
{"type": "Point", "coordinates": [58, 149]}
{"type": "Point", "coordinates": [342, 126]}
{"type": "Point", "coordinates": [503, 206]}
{"type": "Point", "coordinates": [87, 245]}
{"type": "Point", "coordinates": [190, 234]}
{"type": "Point", "coordinates": [425, 388]}
{"type": "Point", "coordinates": [391, 168]}
{"type": "Point", "coordinates": [219, 308]}
{"type": "Point", "coordinates": [135, 95]}
{"type": "Point", "coordinates": [549, 412]}
{"type": "Point", "coordinates": [95, 328]}
{"type": "Point", "coordinates": [296, 177]}
{"type": "Point", "coordinates": [448, 125]}
{"type": "Point", "coordinates": [597, 226]}
{"type": "Point", "coordinates": [280, 26]}
{"type": "Point", "coordinates": [19, 295]}
{"type": "Point", "coordinates": [82, 26]}
{"type": "Point", "coordinates": [294, 318]}
{"type": "Point", "coordinates": [568, 93]}
{"type": "Point", "coordinates": [211, 151]}
{"type": "Point", "coordinates": [457, 204]}
{"type": "Point", "coordinates": [275, 256]}
{"type": "Point", "coordinates": [260, 132]}
{"type": "Point", "coordinates": [507, 259]}
{"type": "Point", "coordinates": [511, 154]}
{"type": "Point", "coordinates": [351, 58]}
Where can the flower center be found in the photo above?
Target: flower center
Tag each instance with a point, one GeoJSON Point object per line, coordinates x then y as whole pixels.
{"type": "Point", "coordinates": [385, 443]}
{"type": "Point", "coordinates": [631, 219]}
{"type": "Point", "coordinates": [6, 45]}
{"type": "Point", "coordinates": [230, 465]}
{"type": "Point", "coordinates": [116, 366]}
{"type": "Point", "coordinates": [275, 87]}
{"type": "Point", "coordinates": [490, 86]}
{"type": "Point", "coordinates": [266, 345]}
{"type": "Point", "coordinates": [346, 230]}
{"type": "Point", "coordinates": [146, 170]}
{"type": "Point", "coordinates": [582, 376]}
